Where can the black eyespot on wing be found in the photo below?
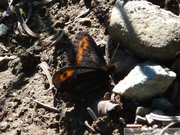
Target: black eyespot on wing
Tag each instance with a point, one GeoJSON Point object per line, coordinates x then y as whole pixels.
{"type": "Point", "coordinates": [76, 83]}
{"type": "Point", "coordinates": [62, 76]}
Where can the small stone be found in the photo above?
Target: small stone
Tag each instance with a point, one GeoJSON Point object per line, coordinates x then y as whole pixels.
{"type": "Point", "coordinates": [4, 30]}
{"type": "Point", "coordinates": [142, 111]}
{"type": "Point", "coordinates": [145, 81]}
{"type": "Point", "coordinates": [14, 94]}
{"type": "Point", "coordinates": [144, 129]}
{"type": "Point", "coordinates": [25, 129]}
{"type": "Point", "coordinates": [155, 126]}
{"type": "Point", "coordinates": [4, 126]}
{"type": "Point", "coordinates": [10, 119]}
{"type": "Point", "coordinates": [161, 103]}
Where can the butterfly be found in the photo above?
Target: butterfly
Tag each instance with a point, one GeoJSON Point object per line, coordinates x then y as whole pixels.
{"type": "Point", "coordinates": [88, 77]}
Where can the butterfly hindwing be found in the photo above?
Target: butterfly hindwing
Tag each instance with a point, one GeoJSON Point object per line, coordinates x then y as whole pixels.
{"type": "Point", "coordinates": [78, 81]}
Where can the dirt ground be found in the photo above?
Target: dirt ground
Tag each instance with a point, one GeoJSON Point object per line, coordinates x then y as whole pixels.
{"type": "Point", "coordinates": [23, 84]}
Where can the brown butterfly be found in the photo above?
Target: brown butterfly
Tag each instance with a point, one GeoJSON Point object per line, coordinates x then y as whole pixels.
{"type": "Point", "coordinates": [88, 77]}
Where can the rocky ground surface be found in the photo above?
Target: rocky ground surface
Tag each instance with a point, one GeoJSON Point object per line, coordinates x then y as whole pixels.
{"type": "Point", "coordinates": [26, 102]}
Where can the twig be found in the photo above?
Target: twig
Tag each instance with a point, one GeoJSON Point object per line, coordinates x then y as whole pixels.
{"type": "Point", "coordinates": [89, 127]}
{"type": "Point", "coordinates": [46, 68]}
{"type": "Point", "coordinates": [47, 106]}
{"type": "Point", "coordinates": [92, 114]}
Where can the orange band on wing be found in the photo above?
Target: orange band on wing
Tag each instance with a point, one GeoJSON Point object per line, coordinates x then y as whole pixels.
{"type": "Point", "coordinates": [65, 75]}
{"type": "Point", "coordinates": [82, 45]}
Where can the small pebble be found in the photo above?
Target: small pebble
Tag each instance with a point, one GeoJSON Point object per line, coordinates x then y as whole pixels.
{"type": "Point", "coordinates": [4, 126]}
{"type": "Point", "coordinates": [10, 119]}
{"type": "Point", "coordinates": [14, 94]}
{"type": "Point", "coordinates": [3, 29]}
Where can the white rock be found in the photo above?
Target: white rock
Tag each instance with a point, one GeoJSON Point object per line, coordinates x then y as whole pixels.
{"type": "Point", "coordinates": [146, 29]}
{"type": "Point", "coordinates": [145, 81]}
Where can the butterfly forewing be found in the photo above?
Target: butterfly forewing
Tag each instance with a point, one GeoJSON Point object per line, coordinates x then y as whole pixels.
{"type": "Point", "coordinates": [88, 53]}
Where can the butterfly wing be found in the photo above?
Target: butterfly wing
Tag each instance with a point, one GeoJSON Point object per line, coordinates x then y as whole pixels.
{"type": "Point", "coordinates": [88, 72]}
{"type": "Point", "coordinates": [75, 83]}
{"type": "Point", "coordinates": [87, 51]}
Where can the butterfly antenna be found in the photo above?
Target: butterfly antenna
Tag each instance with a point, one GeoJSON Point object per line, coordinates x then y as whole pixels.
{"type": "Point", "coordinates": [114, 52]}
{"type": "Point", "coordinates": [109, 41]}
{"type": "Point", "coordinates": [111, 76]}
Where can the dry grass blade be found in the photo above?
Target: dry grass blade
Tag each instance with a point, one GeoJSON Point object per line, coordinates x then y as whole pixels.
{"type": "Point", "coordinates": [92, 114]}
{"type": "Point", "coordinates": [24, 25]}
{"type": "Point", "coordinates": [46, 68]}
{"type": "Point", "coordinates": [163, 117]}
{"type": "Point", "coordinates": [55, 42]}
{"type": "Point", "coordinates": [89, 127]}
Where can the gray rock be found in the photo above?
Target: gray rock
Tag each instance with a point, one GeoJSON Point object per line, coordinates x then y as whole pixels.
{"type": "Point", "coordinates": [146, 29]}
{"type": "Point", "coordinates": [3, 29]}
{"type": "Point", "coordinates": [161, 103]}
{"type": "Point", "coordinates": [145, 81]}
